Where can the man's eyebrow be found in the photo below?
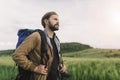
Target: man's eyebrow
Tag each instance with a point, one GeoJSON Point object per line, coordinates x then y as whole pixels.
{"type": "Point", "coordinates": [56, 18]}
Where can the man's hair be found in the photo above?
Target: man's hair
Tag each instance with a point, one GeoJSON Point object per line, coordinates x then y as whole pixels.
{"type": "Point", "coordinates": [47, 16]}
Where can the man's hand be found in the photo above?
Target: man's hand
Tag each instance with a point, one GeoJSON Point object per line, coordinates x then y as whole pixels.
{"type": "Point", "coordinates": [63, 68]}
{"type": "Point", "coordinates": [41, 69]}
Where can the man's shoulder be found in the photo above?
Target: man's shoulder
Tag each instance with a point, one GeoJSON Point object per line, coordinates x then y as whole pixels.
{"type": "Point", "coordinates": [35, 35]}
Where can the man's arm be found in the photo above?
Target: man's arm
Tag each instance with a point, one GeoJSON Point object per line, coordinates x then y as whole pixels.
{"type": "Point", "coordinates": [19, 56]}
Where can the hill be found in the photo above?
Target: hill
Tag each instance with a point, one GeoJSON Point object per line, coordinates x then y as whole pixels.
{"type": "Point", "coordinates": [95, 53]}
{"type": "Point", "coordinates": [87, 53]}
{"type": "Point", "coordinates": [6, 52]}
{"type": "Point", "coordinates": [74, 49]}
{"type": "Point", "coordinates": [74, 46]}
{"type": "Point", "coordinates": [65, 47]}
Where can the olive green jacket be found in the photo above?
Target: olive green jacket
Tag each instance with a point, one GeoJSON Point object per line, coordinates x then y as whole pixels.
{"type": "Point", "coordinates": [31, 46]}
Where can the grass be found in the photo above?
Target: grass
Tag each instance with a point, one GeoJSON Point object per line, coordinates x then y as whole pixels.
{"type": "Point", "coordinates": [95, 53]}
{"type": "Point", "coordinates": [91, 64]}
{"type": "Point", "coordinates": [8, 69]}
{"type": "Point", "coordinates": [93, 69]}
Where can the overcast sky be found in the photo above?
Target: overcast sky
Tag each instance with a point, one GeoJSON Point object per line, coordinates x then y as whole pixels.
{"type": "Point", "coordinates": [92, 22]}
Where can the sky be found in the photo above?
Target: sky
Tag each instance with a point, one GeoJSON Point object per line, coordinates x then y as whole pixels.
{"type": "Point", "coordinates": [92, 22]}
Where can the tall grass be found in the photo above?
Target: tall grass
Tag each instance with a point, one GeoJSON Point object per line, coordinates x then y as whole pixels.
{"type": "Point", "coordinates": [80, 68]}
{"type": "Point", "coordinates": [93, 69]}
{"type": "Point", "coordinates": [7, 73]}
{"type": "Point", "coordinates": [8, 69]}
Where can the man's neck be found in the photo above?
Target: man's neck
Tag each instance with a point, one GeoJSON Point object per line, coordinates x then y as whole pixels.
{"type": "Point", "coordinates": [49, 32]}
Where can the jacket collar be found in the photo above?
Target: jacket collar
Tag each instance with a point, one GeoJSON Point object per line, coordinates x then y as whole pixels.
{"type": "Point", "coordinates": [57, 42]}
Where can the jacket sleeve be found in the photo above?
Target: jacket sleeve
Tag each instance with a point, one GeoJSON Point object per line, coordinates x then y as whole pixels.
{"type": "Point", "coordinates": [19, 56]}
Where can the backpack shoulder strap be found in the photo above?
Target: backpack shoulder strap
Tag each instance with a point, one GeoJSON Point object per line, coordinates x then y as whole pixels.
{"type": "Point", "coordinates": [43, 40]}
{"type": "Point", "coordinates": [44, 55]}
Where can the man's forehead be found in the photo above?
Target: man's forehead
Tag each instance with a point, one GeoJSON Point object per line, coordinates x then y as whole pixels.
{"type": "Point", "coordinates": [54, 16]}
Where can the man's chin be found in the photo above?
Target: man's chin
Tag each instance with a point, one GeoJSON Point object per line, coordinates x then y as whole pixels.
{"type": "Point", "coordinates": [55, 29]}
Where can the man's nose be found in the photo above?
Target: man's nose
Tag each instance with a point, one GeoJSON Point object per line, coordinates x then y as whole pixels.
{"type": "Point", "coordinates": [57, 23]}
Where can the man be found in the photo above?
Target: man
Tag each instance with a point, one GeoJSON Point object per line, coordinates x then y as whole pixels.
{"type": "Point", "coordinates": [32, 47]}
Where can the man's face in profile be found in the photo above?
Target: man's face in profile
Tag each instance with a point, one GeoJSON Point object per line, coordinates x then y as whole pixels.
{"type": "Point", "coordinates": [53, 22]}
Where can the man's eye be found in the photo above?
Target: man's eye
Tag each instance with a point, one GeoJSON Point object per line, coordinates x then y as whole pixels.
{"type": "Point", "coordinates": [55, 19]}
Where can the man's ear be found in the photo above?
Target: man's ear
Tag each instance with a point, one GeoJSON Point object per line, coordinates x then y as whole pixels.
{"type": "Point", "coordinates": [46, 21]}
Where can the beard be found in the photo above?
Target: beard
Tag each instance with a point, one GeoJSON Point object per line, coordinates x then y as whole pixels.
{"type": "Point", "coordinates": [53, 27]}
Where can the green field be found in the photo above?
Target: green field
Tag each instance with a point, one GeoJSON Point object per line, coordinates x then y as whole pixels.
{"type": "Point", "coordinates": [91, 64]}
{"type": "Point", "coordinates": [8, 69]}
{"type": "Point", "coordinates": [93, 68]}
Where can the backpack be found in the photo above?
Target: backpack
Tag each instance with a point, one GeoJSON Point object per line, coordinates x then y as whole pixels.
{"type": "Point", "coordinates": [22, 35]}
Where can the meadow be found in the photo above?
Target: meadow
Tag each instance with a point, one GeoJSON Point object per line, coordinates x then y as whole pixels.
{"type": "Point", "coordinates": [90, 64]}
{"type": "Point", "coordinates": [8, 69]}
